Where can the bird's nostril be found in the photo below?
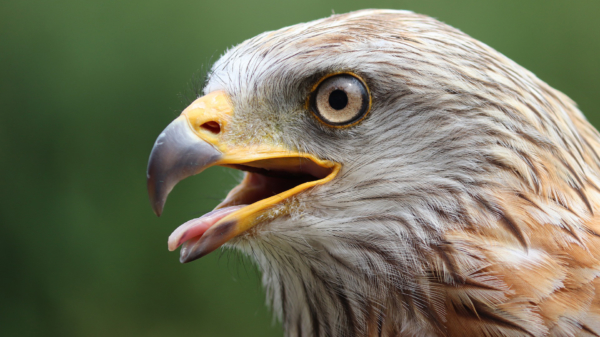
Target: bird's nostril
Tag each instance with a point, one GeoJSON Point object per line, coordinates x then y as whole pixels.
{"type": "Point", "coordinates": [213, 127]}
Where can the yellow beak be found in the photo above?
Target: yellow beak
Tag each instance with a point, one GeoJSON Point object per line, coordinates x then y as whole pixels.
{"type": "Point", "coordinates": [197, 139]}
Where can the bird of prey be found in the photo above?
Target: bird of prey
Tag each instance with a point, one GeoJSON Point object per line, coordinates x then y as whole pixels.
{"type": "Point", "coordinates": [401, 179]}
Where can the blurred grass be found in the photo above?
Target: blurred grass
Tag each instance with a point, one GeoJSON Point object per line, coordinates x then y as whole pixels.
{"type": "Point", "coordinates": [85, 88]}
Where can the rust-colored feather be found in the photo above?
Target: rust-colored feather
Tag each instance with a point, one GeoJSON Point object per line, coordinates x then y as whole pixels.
{"type": "Point", "coordinates": [469, 199]}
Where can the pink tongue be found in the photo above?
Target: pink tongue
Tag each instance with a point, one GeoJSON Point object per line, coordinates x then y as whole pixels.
{"type": "Point", "coordinates": [197, 227]}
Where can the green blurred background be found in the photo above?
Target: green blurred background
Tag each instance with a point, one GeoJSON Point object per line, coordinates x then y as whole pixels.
{"type": "Point", "coordinates": [85, 88]}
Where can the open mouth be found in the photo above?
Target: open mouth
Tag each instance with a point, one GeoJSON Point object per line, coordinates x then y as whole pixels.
{"type": "Point", "coordinates": [267, 183]}
{"type": "Point", "coordinates": [274, 173]}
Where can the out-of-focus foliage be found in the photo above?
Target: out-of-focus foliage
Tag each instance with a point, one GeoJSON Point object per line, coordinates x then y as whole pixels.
{"type": "Point", "coordinates": [85, 88]}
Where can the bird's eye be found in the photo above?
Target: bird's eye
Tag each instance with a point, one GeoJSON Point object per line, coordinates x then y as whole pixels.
{"type": "Point", "coordinates": [340, 100]}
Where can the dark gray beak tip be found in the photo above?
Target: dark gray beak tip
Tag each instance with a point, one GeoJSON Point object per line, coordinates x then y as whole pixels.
{"type": "Point", "coordinates": [177, 154]}
{"type": "Point", "coordinates": [157, 207]}
{"type": "Point", "coordinates": [189, 254]}
{"type": "Point", "coordinates": [155, 193]}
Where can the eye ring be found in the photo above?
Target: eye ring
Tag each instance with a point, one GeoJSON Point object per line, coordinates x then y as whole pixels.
{"type": "Point", "coordinates": [340, 100]}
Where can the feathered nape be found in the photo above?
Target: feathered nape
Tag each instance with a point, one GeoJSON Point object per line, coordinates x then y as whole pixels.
{"type": "Point", "coordinates": [468, 200]}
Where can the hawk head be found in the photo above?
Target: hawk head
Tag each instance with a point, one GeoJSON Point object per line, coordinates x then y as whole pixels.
{"type": "Point", "coordinates": [401, 178]}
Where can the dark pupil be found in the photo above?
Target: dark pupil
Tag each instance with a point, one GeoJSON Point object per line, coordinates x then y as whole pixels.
{"type": "Point", "coordinates": [338, 99]}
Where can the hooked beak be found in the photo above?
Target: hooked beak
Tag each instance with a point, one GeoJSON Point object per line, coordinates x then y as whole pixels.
{"type": "Point", "coordinates": [196, 140]}
{"type": "Point", "coordinates": [177, 154]}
